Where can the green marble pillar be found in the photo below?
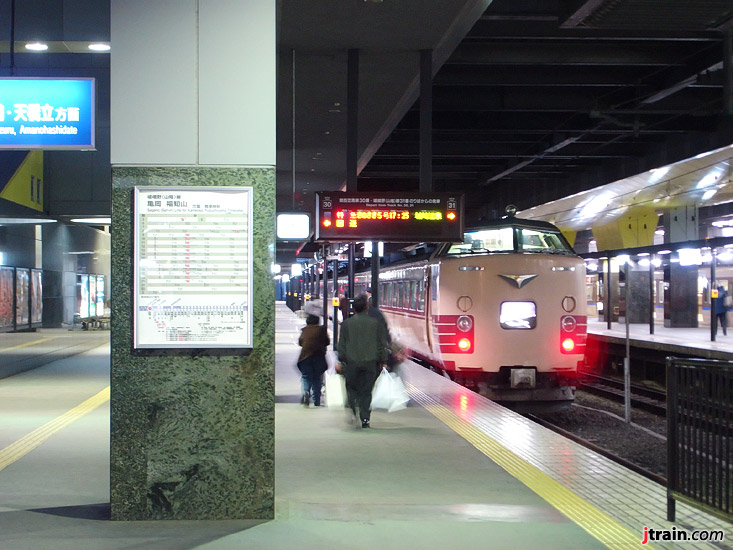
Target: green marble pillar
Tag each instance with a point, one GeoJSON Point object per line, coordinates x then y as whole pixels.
{"type": "Point", "coordinates": [192, 437]}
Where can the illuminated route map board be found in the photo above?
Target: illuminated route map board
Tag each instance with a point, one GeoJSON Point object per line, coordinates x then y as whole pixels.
{"type": "Point", "coordinates": [193, 267]}
{"type": "Point", "coordinates": [390, 217]}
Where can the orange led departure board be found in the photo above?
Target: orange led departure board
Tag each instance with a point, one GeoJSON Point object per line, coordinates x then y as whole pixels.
{"type": "Point", "coordinates": [389, 217]}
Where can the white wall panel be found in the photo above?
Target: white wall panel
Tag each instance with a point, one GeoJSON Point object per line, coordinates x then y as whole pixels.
{"type": "Point", "coordinates": [237, 82]}
{"type": "Point", "coordinates": [153, 73]}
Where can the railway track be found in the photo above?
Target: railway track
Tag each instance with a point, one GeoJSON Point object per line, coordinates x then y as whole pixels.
{"type": "Point", "coordinates": [647, 399]}
{"type": "Point", "coordinates": [600, 450]}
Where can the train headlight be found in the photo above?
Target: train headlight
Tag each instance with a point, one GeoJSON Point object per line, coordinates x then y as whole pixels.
{"type": "Point", "coordinates": [464, 344]}
{"type": "Point", "coordinates": [568, 323]}
{"type": "Point", "coordinates": [464, 323]}
{"type": "Point", "coordinates": [568, 344]}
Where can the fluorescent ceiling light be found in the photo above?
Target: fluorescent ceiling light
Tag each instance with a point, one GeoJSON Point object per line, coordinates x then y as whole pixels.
{"type": "Point", "coordinates": [703, 155]}
{"type": "Point", "coordinates": [36, 46]}
{"type": "Point", "coordinates": [14, 221]}
{"type": "Point", "coordinates": [658, 173]}
{"type": "Point", "coordinates": [93, 221]}
{"type": "Point", "coordinates": [709, 194]}
{"type": "Point", "coordinates": [99, 47]}
{"type": "Point", "coordinates": [690, 256]}
{"type": "Point", "coordinates": [708, 179]}
{"type": "Point", "coordinates": [596, 205]}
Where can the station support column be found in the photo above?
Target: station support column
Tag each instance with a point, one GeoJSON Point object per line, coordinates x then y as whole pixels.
{"type": "Point", "coordinates": [192, 434]}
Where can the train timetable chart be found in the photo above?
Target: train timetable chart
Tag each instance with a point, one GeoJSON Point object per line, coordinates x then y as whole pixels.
{"type": "Point", "coordinates": [193, 267]}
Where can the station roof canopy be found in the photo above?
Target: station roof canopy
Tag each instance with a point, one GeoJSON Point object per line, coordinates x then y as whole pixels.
{"type": "Point", "coordinates": [533, 100]}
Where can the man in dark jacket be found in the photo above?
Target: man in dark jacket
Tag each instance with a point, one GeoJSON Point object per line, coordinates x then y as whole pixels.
{"type": "Point", "coordinates": [721, 310]}
{"type": "Point", "coordinates": [362, 351]}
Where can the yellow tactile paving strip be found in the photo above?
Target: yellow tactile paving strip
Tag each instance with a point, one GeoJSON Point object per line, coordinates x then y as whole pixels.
{"type": "Point", "coordinates": [596, 523]}
{"type": "Point", "coordinates": [26, 344]}
{"type": "Point", "coordinates": [578, 482]}
{"type": "Point", "coordinates": [27, 443]}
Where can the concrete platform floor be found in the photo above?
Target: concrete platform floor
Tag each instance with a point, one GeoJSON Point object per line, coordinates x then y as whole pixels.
{"type": "Point", "coordinates": [409, 482]}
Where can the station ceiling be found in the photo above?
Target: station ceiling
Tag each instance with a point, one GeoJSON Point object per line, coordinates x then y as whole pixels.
{"type": "Point", "coordinates": [533, 100]}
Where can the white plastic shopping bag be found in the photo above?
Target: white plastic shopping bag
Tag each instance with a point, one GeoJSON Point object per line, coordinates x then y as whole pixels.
{"type": "Point", "coordinates": [335, 390]}
{"type": "Point", "coordinates": [389, 392]}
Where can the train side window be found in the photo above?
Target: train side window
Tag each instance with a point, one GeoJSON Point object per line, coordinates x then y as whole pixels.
{"type": "Point", "coordinates": [420, 296]}
{"type": "Point", "coordinates": [413, 295]}
{"type": "Point", "coordinates": [395, 294]}
{"type": "Point", "coordinates": [382, 293]}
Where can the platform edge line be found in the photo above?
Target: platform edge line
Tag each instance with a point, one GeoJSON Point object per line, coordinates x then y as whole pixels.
{"type": "Point", "coordinates": [594, 521]}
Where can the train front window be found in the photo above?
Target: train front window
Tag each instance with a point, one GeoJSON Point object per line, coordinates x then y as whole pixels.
{"type": "Point", "coordinates": [487, 240]}
{"type": "Point", "coordinates": [537, 240]}
{"type": "Point", "coordinates": [518, 315]}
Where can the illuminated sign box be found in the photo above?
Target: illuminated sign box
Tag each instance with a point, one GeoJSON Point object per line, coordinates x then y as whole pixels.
{"type": "Point", "coordinates": [293, 226]}
{"type": "Point", "coordinates": [47, 113]}
{"type": "Point", "coordinates": [390, 217]}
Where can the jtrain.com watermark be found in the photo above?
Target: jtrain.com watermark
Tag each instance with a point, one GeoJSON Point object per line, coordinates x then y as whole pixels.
{"type": "Point", "coordinates": [681, 535]}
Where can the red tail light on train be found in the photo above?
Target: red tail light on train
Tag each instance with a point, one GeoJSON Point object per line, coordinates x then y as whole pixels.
{"type": "Point", "coordinates": [573, 333]}
{"type": "Point", "coordinates": [455, 333]}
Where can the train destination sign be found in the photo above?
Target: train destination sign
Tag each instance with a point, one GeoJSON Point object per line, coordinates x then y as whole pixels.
{"type": "Point", "coordinates": [193, 267]}
{"type": "Point", "coordinates": [389, 217]}
{"type": "Point", "coordinates": [47, 113]}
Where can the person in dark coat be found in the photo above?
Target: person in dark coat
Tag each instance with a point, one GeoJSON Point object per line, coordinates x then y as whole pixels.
{"type": "Point", "coordinates": [312, 360]}
{"type": "Point", "coordinates": [362, 351]}
{"type": "Point", "coordinates": [721, 310]}
{"type": "Point", "coordinates": [395, 352]}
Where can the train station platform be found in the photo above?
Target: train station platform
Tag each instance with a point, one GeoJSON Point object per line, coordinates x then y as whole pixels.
{"type": "Point", "coordinates": [453, 470]}
{"type": "Point", "coordinates": [686, 341]}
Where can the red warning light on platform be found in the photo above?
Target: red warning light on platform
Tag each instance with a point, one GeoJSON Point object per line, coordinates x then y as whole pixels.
{"type": "Point", "coordinates": [390, 217]}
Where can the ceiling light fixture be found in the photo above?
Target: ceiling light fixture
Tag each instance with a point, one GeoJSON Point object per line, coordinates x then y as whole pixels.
{"type": "Point", "coordinates": [709, 194]}
{"type": "Point", "coordinates": [99, 47]}
{"type": "Point", "coordinates": [17, 221]}
{"type": "Point", "coordinates": [709, 178]}
{"type": "Point", "coordinates": [658, 173]}
{"type": "Point", "coordinates": [36, 46]}
{"type": "Point", "coordinates": [93, 221]}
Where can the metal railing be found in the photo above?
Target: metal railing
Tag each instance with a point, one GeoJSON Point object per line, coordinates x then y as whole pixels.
{"type": "Point", "coordinates": [700, 435]}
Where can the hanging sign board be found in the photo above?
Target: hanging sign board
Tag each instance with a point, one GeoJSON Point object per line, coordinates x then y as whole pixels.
{"type": "Point", "coordinates": [193, 267]}
{"type": "Point", "coordinates": [389, 217]}
{"type": "Point", "coordinates": [47, 113]}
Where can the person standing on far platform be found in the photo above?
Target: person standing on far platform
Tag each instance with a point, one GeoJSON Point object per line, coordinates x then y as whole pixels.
{"type": "Point", "coordinates": [312, 361]}
{"type": "Point", "coordinates": [362, 351]}
{"type": "Point", "coordinates": [721, 309]}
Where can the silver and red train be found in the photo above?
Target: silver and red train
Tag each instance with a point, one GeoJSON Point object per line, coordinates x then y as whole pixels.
{"type": "Point", "coordinates": [503, 312]}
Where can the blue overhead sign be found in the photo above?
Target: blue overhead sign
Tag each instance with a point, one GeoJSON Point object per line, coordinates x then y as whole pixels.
{"type": "Point", "coordinates": [47, 113]}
